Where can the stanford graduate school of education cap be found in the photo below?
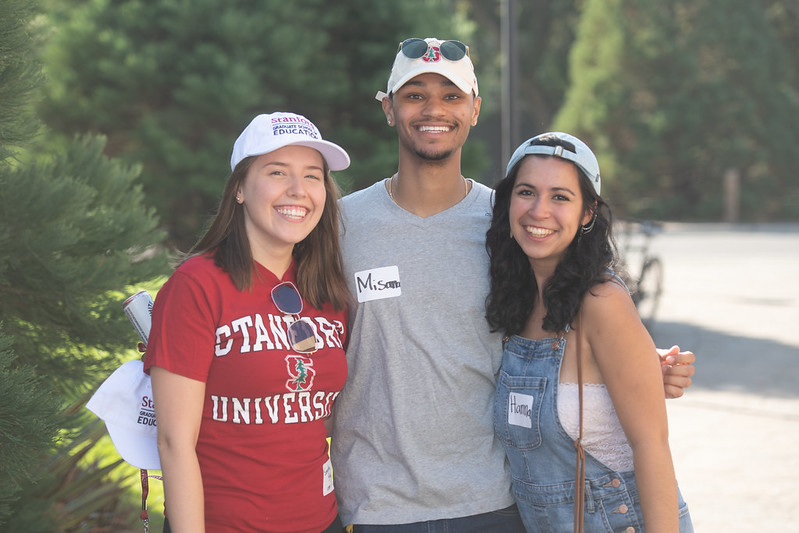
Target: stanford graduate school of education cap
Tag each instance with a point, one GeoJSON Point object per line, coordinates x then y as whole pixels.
{"type": "Point", "coordinates": [267, 133]}
{"type": "Point", "coordinates": [124, 402]}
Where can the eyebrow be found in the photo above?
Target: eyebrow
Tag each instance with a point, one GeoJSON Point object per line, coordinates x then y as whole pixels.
{"type": "Point", "coordinates": [566, 189]}
{"type": "Point", "coordinates": [445, 82]}
{"type": "Point", "coordinates": [283, 165]}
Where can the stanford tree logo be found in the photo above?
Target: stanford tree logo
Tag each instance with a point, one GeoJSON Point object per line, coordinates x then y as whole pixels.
{"type": "Point", "coordinates": [433, 54]}
{"type": "Point", "coordinates": [301, 371]}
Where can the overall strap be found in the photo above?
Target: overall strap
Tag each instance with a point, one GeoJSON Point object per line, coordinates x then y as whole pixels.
{"type": "Point", "coordinates": [579, 482]}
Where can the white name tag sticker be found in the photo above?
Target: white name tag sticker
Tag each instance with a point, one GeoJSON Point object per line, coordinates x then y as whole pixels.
{"type": "Point", "coordinates": [377, 283]}
{"type": "Point", "coordinates": [327, 478]}
{"type": "Point", "coordinates": [520, 410]}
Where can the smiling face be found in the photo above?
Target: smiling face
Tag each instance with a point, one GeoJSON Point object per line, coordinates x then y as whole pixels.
{"type": "Point", "coordinates": [283, 196]}
{"type": "Point", "coordinates": [546, 208]}
{"type": "Point", "coordinates": [432, 115]}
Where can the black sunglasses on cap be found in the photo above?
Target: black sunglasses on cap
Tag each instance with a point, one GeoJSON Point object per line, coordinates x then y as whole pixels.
{"type": "Point", "coordinates": [415, 48]}
{"type": "Point", "coordinates": [287, 299]}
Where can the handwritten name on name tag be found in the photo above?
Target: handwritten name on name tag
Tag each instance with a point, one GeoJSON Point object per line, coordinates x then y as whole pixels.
{"type": "Point", "coordinates": [377, 283]}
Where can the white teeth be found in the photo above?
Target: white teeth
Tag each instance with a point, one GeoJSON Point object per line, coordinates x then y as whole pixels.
{"type": "Point", "coordinates": [538, 232]}
{"type": "Point", "coordinates": [292, 212]}
{"type": "Point", "coordinates": [434, 129]}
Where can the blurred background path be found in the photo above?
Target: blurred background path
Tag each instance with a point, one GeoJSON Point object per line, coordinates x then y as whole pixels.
{"type": "Point", "coordinates": [732, 297]}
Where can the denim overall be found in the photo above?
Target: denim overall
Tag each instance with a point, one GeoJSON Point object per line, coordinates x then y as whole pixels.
{"type": "Point", "coordinates": [542, 455]}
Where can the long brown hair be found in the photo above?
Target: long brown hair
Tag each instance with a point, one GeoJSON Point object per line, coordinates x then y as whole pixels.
{"type": "Point", "coordinates": [320, 269]}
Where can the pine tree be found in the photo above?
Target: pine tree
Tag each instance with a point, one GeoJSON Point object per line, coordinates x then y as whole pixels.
{"type": "Point", "coordinates": [28, 411]}
{"type": "Point", "coordinates": [74, 236]}
{"type": "Point", "coordinates": [28, 422]}
{"type": "Point", "coordinates": [171, 84]}
{"type": "Point", "coordinates": [18, 76]}
{"type": "Point", "coordinates": [674, 95]}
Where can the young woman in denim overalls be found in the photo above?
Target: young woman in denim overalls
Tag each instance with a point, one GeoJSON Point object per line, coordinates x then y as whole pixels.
{"type": "Point", "coordinates": [555, 295]}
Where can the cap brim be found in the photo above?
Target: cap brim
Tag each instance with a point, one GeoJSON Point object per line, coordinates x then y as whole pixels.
{"type": "Point", "coordinates": [138, 450]}
{"type": "Point", "coordinates": [335, 156]}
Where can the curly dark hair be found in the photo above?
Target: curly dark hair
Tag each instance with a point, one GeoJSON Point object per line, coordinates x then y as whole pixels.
{"type": "Point", "coordinates": [513, 285]}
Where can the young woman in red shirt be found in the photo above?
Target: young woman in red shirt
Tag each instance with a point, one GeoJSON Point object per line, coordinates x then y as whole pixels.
{"type": "Point", "coordinates": [246, 351]}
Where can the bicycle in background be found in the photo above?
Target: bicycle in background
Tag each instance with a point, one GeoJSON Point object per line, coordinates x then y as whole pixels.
{"type": "Point", "coordinates": [647, 285]}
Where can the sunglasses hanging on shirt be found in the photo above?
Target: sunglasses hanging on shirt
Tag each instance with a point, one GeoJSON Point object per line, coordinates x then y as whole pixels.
{"type": "Point", "coordinates": [287, 299]}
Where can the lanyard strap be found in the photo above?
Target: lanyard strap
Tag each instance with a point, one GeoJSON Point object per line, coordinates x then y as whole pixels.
{"type": "Point", "coordinates": [145, 489]}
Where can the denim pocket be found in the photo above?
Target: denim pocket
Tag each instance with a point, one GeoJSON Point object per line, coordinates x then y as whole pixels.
{"type": "Point", "coordinates": [517, 410]}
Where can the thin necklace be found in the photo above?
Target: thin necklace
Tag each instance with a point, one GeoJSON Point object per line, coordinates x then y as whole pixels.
{"type": "Point", "coordinates": [391, 188]}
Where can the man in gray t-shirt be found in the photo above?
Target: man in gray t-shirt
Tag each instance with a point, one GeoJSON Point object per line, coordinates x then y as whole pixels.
{"type": "Point", "coordinates": [413, 438]}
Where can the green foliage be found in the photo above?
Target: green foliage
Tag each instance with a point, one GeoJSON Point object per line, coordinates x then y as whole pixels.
{"type": "Point", "coordinates": [172, 83]}
{"type": "Point", "coordinates": [73, 233]}
{"type": "Point", "coordinates": [18, 75]}
{"type": "Point", "coordinates": [674, 95]}
{"type": "Point", "coordinates": [75, 491]}
{"type": "Point", "coordinates": [544, 35]}
{"type": "Point", "coordinates": [783, 17]}
{"type": "Point", "coordinates": [28, 422]}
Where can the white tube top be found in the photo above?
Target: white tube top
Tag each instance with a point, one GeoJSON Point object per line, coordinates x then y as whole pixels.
{"type": "Point", "coordinates": [603, 436]}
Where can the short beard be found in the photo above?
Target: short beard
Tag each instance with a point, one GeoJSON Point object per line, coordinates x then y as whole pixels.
{"type": "Point", "coordinates": [439, 156]}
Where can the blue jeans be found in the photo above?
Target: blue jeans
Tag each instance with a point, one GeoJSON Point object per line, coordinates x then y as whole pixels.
{"type": "Point", "coordinates": [501, 521]}
{"type": "Point", "coordinates": [335, 527]}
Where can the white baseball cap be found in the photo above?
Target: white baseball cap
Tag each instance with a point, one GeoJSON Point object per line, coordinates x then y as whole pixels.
{"type": "Point", "coordinates": [124, 402]}
{"type": "Point", "coordinates": [269, 132]}
{"type": "Point", "coordinates": [574, 150]}
{"type": "Point", "coordinates": [420, 56]}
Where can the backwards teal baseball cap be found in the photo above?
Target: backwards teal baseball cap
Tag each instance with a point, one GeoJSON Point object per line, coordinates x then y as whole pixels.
{"type": "Point", "coordinates": [566, 147]}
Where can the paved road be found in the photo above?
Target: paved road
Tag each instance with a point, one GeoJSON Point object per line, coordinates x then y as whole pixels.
{"type": "Point", "coordinates": [732, 297]}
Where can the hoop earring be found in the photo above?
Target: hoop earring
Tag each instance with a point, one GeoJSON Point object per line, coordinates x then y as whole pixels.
{"type": "Point", "coordinates": [588, 227]}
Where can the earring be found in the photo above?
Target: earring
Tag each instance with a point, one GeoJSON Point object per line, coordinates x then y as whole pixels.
{"type": "Point", "coordinates": [238, 199]}
{"type": "Point", "coordinates": [588, 227]}
{"type": "Point", "coordinates": [388, 120]}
